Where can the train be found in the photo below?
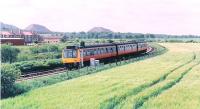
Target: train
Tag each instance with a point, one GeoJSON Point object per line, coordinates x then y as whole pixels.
{"type": "Point", "coordinates": [74, 56]}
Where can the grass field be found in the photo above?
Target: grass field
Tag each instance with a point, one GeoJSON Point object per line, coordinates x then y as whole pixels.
{"type": "Point", "coordinates": [168, 81]}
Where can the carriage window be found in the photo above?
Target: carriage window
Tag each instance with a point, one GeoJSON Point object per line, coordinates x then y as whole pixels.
{"type": "Point", "coordinates": [88, 53]}
{"type": "Point", "coordinates": [98, 51]}
{"type": "Point", "coordinates": [102, 51]}
{"type": "Point", "coordinates": [84, 53]}
{"type": "Point", "coordinates": [70, 53]}
{"type": "Point", "coordinates": [106, 50]}
{"type": "Point", "coordinates": [114, 49]}
{"type": "Point", "coordinates": [95, 51]}
{"type": "Point", "coordinates": [92, 52]}
{"type": "Point", "coordinates": [111, 50]}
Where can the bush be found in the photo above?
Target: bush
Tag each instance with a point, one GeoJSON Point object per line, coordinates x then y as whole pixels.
{"type": "Point", "coordinates": [23, 57]}
{"type": "Point", "coordinates": [9, 73]}
{"type": "Point", "coordinates": [34, 50]}
{"type": "Point", "coordinates": [9, 53]}
{"type": "Point", "coordinates": [44, 48]}
{"type": "Point", "coordinates": [53, 48]}
{"type": "Point", "coordinates": [28, 66]}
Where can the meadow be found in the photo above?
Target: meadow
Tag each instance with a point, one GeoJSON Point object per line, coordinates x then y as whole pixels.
{"type": "Point", "coordinates": [167, 81]}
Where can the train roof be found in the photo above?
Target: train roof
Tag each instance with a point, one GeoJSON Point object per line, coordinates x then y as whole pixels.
{"type": "Point", "coordinates": [100, 45]}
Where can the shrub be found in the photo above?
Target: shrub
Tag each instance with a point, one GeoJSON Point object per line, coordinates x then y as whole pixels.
{"type": "Point", "coordinates": [23, 57]}
{"type": "Point", "coordinates": [44, 48]}
{"type": "Point", "coordinates": [28, 66]}
{"type": "Point", "coordinates": [53, 48]}
{"type": "Point", "coordinates": [9, 73]}
{"type": "Point", "coordinates": [34, 50]}
{"type": "Point", "coordinates": [9, 53]}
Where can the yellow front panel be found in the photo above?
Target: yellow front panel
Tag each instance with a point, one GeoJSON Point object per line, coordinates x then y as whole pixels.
{"type": "Point", "coordinates": [70, 60]}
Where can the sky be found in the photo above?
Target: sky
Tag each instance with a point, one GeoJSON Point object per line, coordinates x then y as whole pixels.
{"type": "Point", "coordinates": [137, 16]}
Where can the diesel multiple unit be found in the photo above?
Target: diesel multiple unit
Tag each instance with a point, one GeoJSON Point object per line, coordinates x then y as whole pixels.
{"type": "Point", "coordinates": [72, 56]}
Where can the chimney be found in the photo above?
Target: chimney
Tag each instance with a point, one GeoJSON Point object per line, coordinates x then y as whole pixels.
{"type": "Point", "coordinates": [19, 31]}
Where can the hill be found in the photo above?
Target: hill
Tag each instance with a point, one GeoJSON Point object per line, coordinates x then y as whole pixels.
{"type": "Point", "coordinates": [99, 29]}
{"type": "Point", "coordinates": [8, 27]}
{"type": "Point", "coordinates": [38, 28]}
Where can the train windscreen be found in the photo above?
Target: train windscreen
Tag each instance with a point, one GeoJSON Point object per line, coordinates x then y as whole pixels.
{"type": "Point", "coordinates": [70, 53]}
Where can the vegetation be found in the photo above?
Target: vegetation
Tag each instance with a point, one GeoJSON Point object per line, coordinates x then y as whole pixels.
{"type": "Point", "coordinates": [13, 54]}
{"type": "Point", "coordinates": [28, 66]}
{"type": "Point", "coordinates": [129, 36]}
{"type": "Point", "coordinates": [44, 48]}
{"type": "Point", "coordinates": [186, 93]}
{"type": "Point", "coordinates": [142, 84]}
{"type": "Point", "coordinates": [9, 74]}
{"type": "Point", "coordinates": [9, 53]}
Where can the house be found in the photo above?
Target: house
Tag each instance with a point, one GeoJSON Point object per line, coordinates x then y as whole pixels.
{"type": "Point", "coordinates": [51, 39]}
{"type": "Point", "coordinates": [19, 37]}
{"type": "Point", "coordinates": [30, 37]}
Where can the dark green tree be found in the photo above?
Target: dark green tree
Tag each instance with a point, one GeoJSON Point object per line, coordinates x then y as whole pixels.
{"type": "Point", "coordinates": [9, 53]}
{"type": "Point", "coordinates": [9, 73]}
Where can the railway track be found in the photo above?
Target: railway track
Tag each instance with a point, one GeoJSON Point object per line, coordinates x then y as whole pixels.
{"type": "Point", "coordinates": [32, 75]}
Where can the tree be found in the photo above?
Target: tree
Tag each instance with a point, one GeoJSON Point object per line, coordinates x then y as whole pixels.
{"type": "Point", "coordinates": [9, 73]}
{"type": "Point", "coordinates": [9, 53]}
{"type": "Point", "coordinates": [53, 48]}
{"type": "Point", "coordinates": [63, 39]}
{"type": "Point", "coordinates": [110, 41]}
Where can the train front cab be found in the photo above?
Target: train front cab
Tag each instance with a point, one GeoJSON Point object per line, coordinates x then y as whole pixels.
{"type": "Point", "coordinates": [71, 57]}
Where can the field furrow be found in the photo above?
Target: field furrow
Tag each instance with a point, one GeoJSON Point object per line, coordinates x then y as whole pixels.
{"type": "Point", "coordinates": [115, 101]}
{"type": "Point", "coordinates": [174, 78]}
{"type": "Point", "coordinates": [184, 95]}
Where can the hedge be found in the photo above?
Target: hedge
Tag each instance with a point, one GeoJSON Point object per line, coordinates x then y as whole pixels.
{"type": "Point", "coordinates": [29, 57]}
{"type": "Point", "coordinates": [30, 66]}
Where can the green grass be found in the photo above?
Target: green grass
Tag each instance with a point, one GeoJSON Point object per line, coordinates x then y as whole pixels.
{"type": "Point", "coordinates": [142, 84]}
{"type": "Point", "coordinates": [185, 95]}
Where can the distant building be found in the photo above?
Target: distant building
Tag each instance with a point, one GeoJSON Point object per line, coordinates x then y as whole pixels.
{"type": "Point", "coordinates": [12, 41]}
{"type": "Point", "coordinates": [30, 37]}
{"type": "Point", "coordinates": [19, 38]}
{"type": "Point", "coordinates": [51, 39]}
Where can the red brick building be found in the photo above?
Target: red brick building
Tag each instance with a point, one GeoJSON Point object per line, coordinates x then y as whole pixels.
{"type": "Point", "coordinates": [12, 41]}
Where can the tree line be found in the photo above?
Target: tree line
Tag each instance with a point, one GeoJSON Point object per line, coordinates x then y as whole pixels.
{"type": "Point", "coordinates": [118, 35]}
